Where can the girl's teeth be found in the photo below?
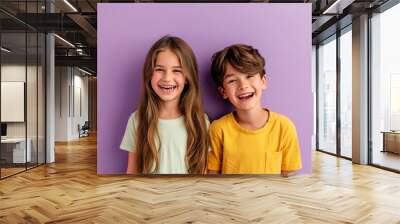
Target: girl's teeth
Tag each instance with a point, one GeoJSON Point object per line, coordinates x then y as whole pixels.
{"type": "Point", "coordinates": [168, 89]}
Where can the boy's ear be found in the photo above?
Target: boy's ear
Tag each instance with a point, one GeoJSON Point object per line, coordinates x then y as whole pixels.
{"type": "Point", "coordinates": [222, 92]}
{"type": "Point", "coordinates": [265, 82]}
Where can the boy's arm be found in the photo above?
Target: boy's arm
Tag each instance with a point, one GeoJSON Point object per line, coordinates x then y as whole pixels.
{"type": "Point", "coordinates": [291, 160]}
{"type": "Point", "coordinates": [215, 155]}
{"type": "Point", "coordinates": [287, 173]}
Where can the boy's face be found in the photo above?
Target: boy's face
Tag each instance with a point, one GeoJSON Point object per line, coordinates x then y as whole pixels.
{"type": "Point", "coordinates": [244, 91]}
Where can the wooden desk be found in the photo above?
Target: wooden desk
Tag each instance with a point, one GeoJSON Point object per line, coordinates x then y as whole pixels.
{"type": "Point", "coordinates": [13, 150]}
{"type": "Point", "coordinates": [391, 141]}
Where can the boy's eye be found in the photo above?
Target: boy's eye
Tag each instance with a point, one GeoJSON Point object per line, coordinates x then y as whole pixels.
{"type": "Point", "coordinates": [231, 81]}
{"type": "Point", "coordinates": [250, 76]}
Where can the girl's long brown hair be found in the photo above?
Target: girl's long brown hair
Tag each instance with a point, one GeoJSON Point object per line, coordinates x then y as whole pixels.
{"type": "Point", "coordinates": [190, 106]}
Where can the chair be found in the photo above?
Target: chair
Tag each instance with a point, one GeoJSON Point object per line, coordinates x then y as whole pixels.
{"type": "Point", "coordinates": [84, 130]}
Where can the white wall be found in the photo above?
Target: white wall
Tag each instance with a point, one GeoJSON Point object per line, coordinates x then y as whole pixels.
{"type": "Point", "coordinates": [61, 103]}
{"type": "Point", "coordinates": [70, 83]}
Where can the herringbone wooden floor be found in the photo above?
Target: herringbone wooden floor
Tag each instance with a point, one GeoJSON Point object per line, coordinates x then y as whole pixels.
{"type": "Point", "coordinates": [70, 191]}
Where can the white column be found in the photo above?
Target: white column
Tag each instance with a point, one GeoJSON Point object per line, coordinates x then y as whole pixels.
{"type": "Point", "coordinates": [50, 92]}
{"type": "Point", "coordinates": [50, 100]}
{"type": "Point", "coordinates": [360, 90]}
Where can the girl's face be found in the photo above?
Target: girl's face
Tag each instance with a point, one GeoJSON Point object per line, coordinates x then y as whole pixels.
{"type": "Point", "coordinates": [168, 80]}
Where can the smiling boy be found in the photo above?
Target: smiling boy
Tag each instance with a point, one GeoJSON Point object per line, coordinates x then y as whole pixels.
{"type": "Point", "coordinates": [252, 139]}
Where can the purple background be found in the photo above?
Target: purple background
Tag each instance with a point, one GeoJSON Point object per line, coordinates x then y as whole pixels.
{"type": "Point", "coordinates": [281, 32]}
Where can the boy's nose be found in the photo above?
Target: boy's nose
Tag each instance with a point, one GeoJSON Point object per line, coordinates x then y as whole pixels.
{"type": "Point", "coordinates": [243, 85]}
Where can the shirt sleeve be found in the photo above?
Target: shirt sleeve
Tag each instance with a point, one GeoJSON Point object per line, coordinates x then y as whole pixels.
{"type": "Point", "coordinates": [128, 142]}
{"type": "Point", "coordinates": [215, 155]}
{"type": "Point", "coordinates": [291, 157]}
{"type": "Point", "coordinates": [208, 128]}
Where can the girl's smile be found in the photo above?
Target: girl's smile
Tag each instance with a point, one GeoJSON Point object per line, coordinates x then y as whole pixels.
{"type": "Point", "coordinates": [168, 80]}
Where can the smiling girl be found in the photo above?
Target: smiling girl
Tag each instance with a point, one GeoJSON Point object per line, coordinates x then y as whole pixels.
{"type": "Point", "coordinates": [168, 132]}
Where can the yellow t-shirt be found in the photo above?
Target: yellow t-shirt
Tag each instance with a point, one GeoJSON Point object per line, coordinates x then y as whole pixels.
{"type": "Point", "coordinates": [268, 150]}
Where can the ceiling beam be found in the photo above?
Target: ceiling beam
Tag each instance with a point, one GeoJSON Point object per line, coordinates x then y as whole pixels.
{"type": "Point", "coordinates": [85, 61]}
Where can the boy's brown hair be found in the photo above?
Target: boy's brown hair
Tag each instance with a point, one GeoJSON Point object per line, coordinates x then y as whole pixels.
{"type": "Point", "coordinates": [243, 58]}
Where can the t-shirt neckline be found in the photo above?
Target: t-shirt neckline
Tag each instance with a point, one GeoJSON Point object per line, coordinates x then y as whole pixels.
{"type": "Point", "coordinates": [263, 128]}
{"type": "Point", "coordinates": [173, 120]}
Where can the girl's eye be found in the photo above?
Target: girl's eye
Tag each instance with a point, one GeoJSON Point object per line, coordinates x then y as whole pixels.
{"type": "Point", "coordinates": [158, 70]}
{"type": "Point", "coordinates": [177, 71]}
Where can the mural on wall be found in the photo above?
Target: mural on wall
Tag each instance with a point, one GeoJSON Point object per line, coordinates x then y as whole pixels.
{"type": "Point", "coordinates": [280, 32]}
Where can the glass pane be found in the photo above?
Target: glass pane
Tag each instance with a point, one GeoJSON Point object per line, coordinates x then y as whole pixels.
{"type": "Point", "coordinates": [23, 92]}
{"type": "Point", "coordinates": [346, 94]}
{"type": "Point", "coordinates": [327, 97]}
{"type": "Point", "coordinates": [13, 86]}
{"type": "Point", "coordinates": [386, 89]}
{"type": "Point", "coordinates": [31, 100]}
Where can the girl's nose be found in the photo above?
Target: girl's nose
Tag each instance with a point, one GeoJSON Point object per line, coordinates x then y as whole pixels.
{"type": "Point", "coordinates": [167, 75]}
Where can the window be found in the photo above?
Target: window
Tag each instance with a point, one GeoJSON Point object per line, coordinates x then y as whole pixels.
{"type": "Point", "coordinates": [346, 75]}
{"type": "Point", "coordinates": [327, 96]}
{"type": "Point", "coordinates": [385, 87]}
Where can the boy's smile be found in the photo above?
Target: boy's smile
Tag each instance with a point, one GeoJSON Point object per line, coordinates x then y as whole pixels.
{"type": "Point", "coordinates": [244, 91]}
{"type": "Point", "coordinates": [246, 96]}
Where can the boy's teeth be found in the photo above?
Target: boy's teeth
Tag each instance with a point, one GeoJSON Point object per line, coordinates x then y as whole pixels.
{"type": "Point", "coordinates": [246, 95]}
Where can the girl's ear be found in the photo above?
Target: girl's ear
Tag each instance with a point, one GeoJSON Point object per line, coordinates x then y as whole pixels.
{"type": "Point", "coordinates": [222, 92]}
